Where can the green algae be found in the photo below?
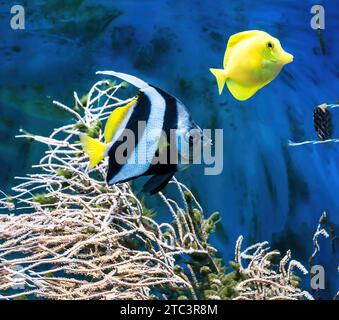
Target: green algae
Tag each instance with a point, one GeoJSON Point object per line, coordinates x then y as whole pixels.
{"type": "Point", "coordinates": [124, 84]}
{"type": "Point", "coordinates": [146, 211]}
{"type": "Point", "coordinates": [91, 230]}
{"type": "Point", "coordinates": [81, 127]}
{"type": "Point", "coordinates": [213, 280]}
{"type": "Point", "coordinates": [211, 222]}
{"type": "Point", "coordinates": [64, 173]}
{"type": "Point", "coordinates": [22, 297]}
{"type": "Point", "coordinates": [92, 131]}
{"type": "Point", "coordinates": [9, 199]}
{"type": "Point", "coordinates": [211, 283]}
{"type": "Point", "coordinates": [83, 100]}
{"type": "Point", "coordinates": [44, 199]}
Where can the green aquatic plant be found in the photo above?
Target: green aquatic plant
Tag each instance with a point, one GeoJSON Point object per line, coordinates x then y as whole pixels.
{"type": "Point", "coordinates": [83, 100]}
{"type": "Point", "coordinates": [94, 130]}
{"type": "Point", "coordinates": [82, 239]}
{"type": "Point", "coordinates": [64, 173]}
{"type": "Point", "coordinates": [43, 198]}
{"type": "Point", "coordinates": [253, 275]}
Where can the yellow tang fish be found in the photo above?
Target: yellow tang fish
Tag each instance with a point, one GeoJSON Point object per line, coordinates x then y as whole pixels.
{"type": "Point", "coordinates": [252, 59]}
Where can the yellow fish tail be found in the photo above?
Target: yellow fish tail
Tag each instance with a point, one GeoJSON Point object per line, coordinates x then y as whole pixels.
{"type": "Point", "coordinates": [94, 148]}
{"type": "Point", "coordinates": [221, 76]}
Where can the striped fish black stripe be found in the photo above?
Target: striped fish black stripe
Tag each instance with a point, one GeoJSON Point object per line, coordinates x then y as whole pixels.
{"type": "Point", "coordinates": [141, 112]}
{"type": "Point", "coordinates": [170, 122]}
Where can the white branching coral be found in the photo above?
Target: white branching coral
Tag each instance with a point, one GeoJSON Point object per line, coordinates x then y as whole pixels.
{"type": "Point", "coordinates": [263, 280]}
{"type": "Point", "coordinates": [52, 246]}
{"type": "Point", "coordinates": [73, 237]}
{"type": "Point", "coordinates": [82, 239]}
{"type": "Point", "coordinates": [319, 232]}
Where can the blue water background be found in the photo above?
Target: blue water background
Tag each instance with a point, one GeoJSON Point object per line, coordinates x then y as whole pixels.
{"type": "Point", "coordinates": [267, 190]}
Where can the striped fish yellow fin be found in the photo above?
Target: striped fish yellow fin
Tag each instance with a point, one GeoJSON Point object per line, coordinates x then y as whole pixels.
{"type": "Point", "coordinates": [94, 148]}
{"type": "Point", "coordinates": [115, 119]}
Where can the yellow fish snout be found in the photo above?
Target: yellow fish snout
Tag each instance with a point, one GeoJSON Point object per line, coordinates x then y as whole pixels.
{"type": "Point", "coordinates": [286, 57]}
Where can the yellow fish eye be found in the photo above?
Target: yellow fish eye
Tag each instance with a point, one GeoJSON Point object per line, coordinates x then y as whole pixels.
{"type": "Point", "coordinates": [270, 45]}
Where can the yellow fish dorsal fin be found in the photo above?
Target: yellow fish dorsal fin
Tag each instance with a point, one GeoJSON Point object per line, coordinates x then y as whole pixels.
{"type": "Point", "coordinates": [237, 38]}
{"type": "Point", "coordinates": [115, 119]}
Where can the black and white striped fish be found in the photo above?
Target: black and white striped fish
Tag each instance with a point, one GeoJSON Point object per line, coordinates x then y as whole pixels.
{"type": "Point", "coordinates": [152, 135]}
